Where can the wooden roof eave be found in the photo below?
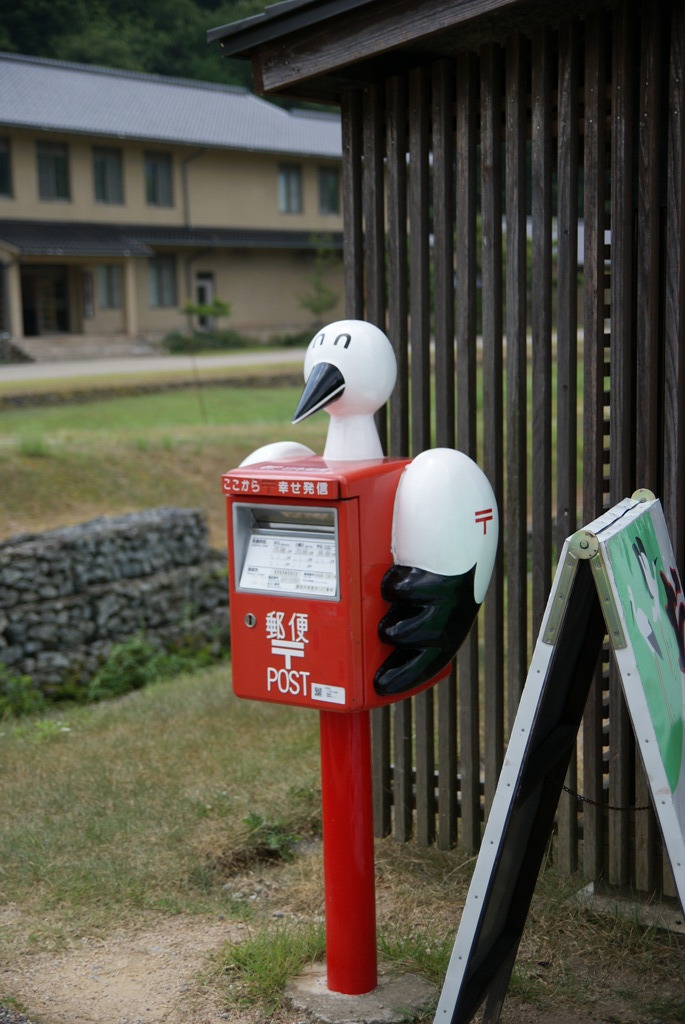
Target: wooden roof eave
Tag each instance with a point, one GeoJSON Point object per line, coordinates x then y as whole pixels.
{"type": "Point", "coordinates": [320, 58]}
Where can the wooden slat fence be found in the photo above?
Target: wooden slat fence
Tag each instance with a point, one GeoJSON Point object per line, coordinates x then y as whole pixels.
{"type": "Point", "coordinates": [514, 221]}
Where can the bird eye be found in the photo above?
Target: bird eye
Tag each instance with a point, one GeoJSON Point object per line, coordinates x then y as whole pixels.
{"type": "Point", "coordinates": [347, 342]}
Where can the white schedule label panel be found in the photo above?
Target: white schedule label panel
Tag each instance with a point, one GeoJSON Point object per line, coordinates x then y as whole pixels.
{"type": "Point", "coordinates": [286, 564]}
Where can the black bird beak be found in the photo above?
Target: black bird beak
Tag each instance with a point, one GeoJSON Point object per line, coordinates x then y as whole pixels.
{"type": "Point", "coordinates": [324, 385]}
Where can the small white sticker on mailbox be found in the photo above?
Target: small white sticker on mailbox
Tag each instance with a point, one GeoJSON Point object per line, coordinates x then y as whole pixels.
{"type": "Point", "coordinates": [328, 694]}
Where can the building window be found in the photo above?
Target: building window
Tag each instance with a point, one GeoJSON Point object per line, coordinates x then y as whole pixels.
{"type": "Point", "coordinates": [109, 286]}
{"type": "Point", "coordinates": [87, 281]}
{"type": "Point", "coordinates": [329, 190]}
{"type": "Point", "coordinates": [290, 188]}
{"type": "Point", "coordinates": [53, 171]}
{"type": "Point", "coordinates": [158, 179]}
{"type": "Point", "coordinates": [108, 175]}
{"type": "Point", "coordinates": [5, 168]}
{"type": "Point", "coordinates": [163, 282]}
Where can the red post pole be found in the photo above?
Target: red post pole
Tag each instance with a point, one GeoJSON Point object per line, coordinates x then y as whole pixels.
{"type": "Point", "coordinates": [348, 855]}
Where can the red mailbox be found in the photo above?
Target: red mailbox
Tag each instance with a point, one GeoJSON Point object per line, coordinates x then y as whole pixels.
{"type": "Point", "coordinates": [305, 579]}
{"type": "Point", "coordinates": [353, 579]}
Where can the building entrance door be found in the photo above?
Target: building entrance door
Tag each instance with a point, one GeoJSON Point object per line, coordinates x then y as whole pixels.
{"type": "Point", "coordinates": [204, 296]}
{"type": "Point", "coordinates": [45, 300]}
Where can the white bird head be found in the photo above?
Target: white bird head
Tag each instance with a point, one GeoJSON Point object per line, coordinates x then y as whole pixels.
{"type": "Point", "coordinates": [350, 371]}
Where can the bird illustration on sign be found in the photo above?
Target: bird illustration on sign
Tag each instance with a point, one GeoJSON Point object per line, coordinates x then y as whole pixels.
{"type": "Point", "coordinates": [652, 598]}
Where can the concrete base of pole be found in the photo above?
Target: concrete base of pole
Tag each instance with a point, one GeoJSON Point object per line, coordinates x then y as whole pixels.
{"type": "Point", "coordinates": [396, 999]}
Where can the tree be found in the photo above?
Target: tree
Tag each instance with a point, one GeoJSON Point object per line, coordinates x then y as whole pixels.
{"type": "Point", "coordinates": [206, 312]}
{"type": "Point", "coordinates": [166, 37]}
{"type": "Point", "coordinates": [321, 298]}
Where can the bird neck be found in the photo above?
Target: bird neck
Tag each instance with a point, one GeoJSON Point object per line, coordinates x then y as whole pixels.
{"type": "Point", "coordinates": [353, 437]}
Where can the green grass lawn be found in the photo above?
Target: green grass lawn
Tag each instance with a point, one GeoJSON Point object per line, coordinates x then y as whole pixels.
{"type": "Point", "coordinates": [150, 805]}
{"type": "Point", "coordinates": [161, 803]}
{"type": "Point", "coordinates": [68, 463]}
{"type": "Point", "coordinates": [185, 368]}
{"type": "Point", "coordinates": [132, 806]}
{"type": "Point", "coordinates": [143, 415]}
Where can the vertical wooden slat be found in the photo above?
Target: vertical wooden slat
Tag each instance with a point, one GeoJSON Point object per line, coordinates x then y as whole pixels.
{"type": "Point", "coordinates": [419, 257]}
{"type": "Point", "coordinates": [567, 276]}
{"type": "Point", "coordinates": [466, 275]}
{"type": "Point", "coordinates": [516, 505]}
{"type": "Point", "coordinates": [398, 304]}
{"type": "Point", "coordinates": [593, 402]}
{"type": "Point", "coordinates": [622, 427]}
{"type": "Point", "coordinates": [403, 773]}
{"type": "Point", "coordinates": [373, 187]}
{"type": "Point", "coordinates": [622, 418]}
{"type": "Point", "coordinates": [674, 326]}
{"type": "Point", "coordinates": [360, 121]}
{"type": "Point", "coordinates": [674, 307]}
{"type": "Point", "coordinates": [647, 343]}
{"type": "Point", "coordinates": [493, 442]}
{"type": "Point", "coordinates": [466, 257]}
{"type": "Point", "coordinates": [443, 260]}
{"type": "Point", "coordinates": [541, 322]}
{"type": "Point", "coordinates": [445, 428]}
{"type": "Point", "coordinates": [419, 248]}
{"type": "Point", "coordinates": [398, 285]}
{"type": "Point", "coordinates": [374, 229]}
{"type": "Point", "coordinates": [351, 111]}
{"type": "Point", "coordinates": [567, 356]}
{"type": "Point", "coordinates": [447, 762]}
{"type": "Point", "coordinates": [649, 167]}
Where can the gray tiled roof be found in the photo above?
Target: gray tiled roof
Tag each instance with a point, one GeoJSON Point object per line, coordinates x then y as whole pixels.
{"type": "Point", "coordinates": [60, 97]}
{"type": "Point", "coordinates": [52, 238]}
{"type": "Point", "coordinates": [46, 238]}
{"type": "Point", "coordinates": [288, 15]}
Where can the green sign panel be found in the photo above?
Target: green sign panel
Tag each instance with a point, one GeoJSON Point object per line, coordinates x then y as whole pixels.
{"type": "Point", "coordinates": [648, 596]}
{"type": "Point", "coordinates": [651, 597]}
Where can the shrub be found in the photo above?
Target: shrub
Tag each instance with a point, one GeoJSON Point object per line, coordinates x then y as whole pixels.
{"type": "Point", "coordinates": [298, 340]}
{"type": "Point", "coordinates": [207, 341]}
{"type": "Point", "coordinates": [135, 663]}
{"type": "Point", "coordinates": [18, 695]}
{"type": "Point", "coordinates": [128, 666]}
{"type": "Point", "coordinates": [320, 298]}
{"type": "Point", "coordinates": [223, 341]}
{"type": "Point", "coordinates": [212, 310]}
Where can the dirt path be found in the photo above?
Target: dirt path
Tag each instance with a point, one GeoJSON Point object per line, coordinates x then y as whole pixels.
{"type": "Point", "coordinates": [144, 977]}
{"type": "Point", "coordinates": [153, 976]}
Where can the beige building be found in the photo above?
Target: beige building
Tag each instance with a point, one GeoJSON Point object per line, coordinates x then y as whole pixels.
{"type": "Point", "coordinates": [124, 195]}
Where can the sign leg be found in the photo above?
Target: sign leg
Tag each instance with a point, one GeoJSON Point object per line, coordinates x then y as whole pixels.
{"type": "Point", "coordinates": [498, 991]}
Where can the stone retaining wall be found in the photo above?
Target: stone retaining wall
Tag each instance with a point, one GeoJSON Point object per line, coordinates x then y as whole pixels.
{"type": "Point", "coordinates": [66, 596]}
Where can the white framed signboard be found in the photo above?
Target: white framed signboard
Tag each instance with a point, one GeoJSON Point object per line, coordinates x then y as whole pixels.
{"type": "Point", "coordinates": [616, 576]}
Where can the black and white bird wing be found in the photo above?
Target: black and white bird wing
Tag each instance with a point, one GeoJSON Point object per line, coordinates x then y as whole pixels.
{"type": "Point", "coordinates": [444, 543]}
{"type": "Point", "coordinates": [277, 450]}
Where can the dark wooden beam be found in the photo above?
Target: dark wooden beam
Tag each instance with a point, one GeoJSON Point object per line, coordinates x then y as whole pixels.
{"type": "Point", "coordinates": [368, 33]}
